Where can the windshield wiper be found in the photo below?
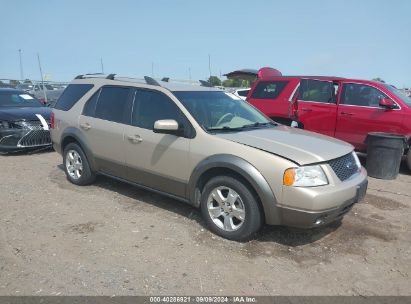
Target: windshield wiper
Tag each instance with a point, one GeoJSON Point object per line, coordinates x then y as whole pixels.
{"type": "Point", "coordinates": [257, 124]}
{"type": "Point", "coordinates": [248, 126]}
{"type": "Point", "coordinates": [225, 128]}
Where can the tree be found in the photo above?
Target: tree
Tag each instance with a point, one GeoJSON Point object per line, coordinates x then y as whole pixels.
{"type": "Point", "coordinates": [236, 83]}
{"type": "Point", "coordinates": [214, 80]}
{"type": "Point", "coordinates": [378, 79]}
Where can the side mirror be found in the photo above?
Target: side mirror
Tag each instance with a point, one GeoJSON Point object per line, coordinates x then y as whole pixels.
{"type": "Point", "coordinates": [167, 126]}
{"type": "Point", "coordinates": [387, 103]}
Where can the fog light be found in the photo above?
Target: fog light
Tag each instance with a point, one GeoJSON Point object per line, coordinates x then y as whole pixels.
{"type": "Point", "coordinates": [320, 220]}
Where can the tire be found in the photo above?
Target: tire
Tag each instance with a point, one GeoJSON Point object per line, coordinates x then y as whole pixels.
{"type": "Point", "coordinates": [76, 166]}
{"type": "Point", "coordinates": [236, 212]}
{"type": "Point", "coordinates": [409, 159]}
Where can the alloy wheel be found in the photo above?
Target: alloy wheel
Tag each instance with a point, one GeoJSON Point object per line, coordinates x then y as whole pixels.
{"type": "Point", "coordinates": [74, 164]}
{"type": "Point", "coordinates": [226, 208]}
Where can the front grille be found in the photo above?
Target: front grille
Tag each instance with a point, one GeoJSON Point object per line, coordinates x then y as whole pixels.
{"type": "Point", "coordinates": [344, 167]}
{"type": "Point", "coordinates": [35, 138]}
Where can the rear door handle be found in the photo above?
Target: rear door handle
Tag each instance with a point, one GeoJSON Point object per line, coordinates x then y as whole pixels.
{"type": "Point", "coordinates": [85, 126]}
{"type": "Point", "coordinates": [135, 138]}
{"type": "Point", "coordinates": [347, 114]}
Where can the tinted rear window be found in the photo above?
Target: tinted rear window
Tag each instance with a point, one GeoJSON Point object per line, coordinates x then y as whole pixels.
{"type": "Point", "coordinates": [268, 89]}
{"type": "Point", "coordinates": [111, 104]}
{"type": "Point", "coordinates": [71, 95]}
{"type": "Point", "coordinates": [316, 91]}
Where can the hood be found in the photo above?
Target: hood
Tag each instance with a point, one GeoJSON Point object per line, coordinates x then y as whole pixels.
{"type": "Point", "coordinates": [299, 146]}
{"type": "Point", "coordinates": [16, 113]}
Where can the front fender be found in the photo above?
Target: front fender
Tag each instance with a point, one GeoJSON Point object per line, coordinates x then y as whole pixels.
{"type": "Point", "coordinates": [247, 171]}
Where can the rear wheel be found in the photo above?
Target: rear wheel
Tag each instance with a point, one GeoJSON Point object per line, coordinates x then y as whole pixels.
{"type": "Point", "coordinates": [76, 165]}
{"type": "Point", "coordinates": [409, 159]}
{"type": "Point", "coordinates": [230, 208]}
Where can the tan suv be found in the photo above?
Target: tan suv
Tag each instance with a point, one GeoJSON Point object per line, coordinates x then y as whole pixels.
{"type": "Point", "coordinates": [205, 147]}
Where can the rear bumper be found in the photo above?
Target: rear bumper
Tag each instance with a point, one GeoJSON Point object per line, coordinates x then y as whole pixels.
{"type": "Point", "coordinates": [296, 217]}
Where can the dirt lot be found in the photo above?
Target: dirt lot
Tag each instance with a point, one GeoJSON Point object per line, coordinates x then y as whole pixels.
{"type": "Point", "coordinates": [113, 239]}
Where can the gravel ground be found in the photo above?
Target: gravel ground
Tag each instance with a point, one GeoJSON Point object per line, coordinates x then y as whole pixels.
{"type": "Point", "coordinates": [114, 239]}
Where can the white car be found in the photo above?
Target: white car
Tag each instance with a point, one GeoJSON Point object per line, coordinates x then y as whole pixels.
{"type": "Point", "coordinates": [241, 93]}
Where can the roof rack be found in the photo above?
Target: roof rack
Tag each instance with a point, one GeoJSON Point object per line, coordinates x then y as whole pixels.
{"type": "Point", "coordinates": [144, 80]}
{"type": "Point", "coordinates": [151, 81]}
{"type": "Point", "coordinates": [95, 75]}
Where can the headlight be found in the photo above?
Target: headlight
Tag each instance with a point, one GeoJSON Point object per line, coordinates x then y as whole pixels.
{"type": "Point", "coordinates": [357, 160]}
{"type": "Point", "coordinates": [305, 176]}
{"type": "Point", "coordinates": [12, 124]}
{"type": "Point", "coordinates": [4, 124]}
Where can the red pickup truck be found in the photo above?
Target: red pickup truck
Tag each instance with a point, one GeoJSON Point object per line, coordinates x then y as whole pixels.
{"type": "Point", "coordinates": [347, 109]}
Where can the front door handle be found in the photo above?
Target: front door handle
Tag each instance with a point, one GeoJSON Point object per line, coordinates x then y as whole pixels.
{"type": "Point", "coordinates": [135, 138]}
{"type": "Point", "coordinates": [347, 114]}
{"type": "Point", "coordinates": [85, 126]}
{"type": "Point", "coordinates": [306, 110]}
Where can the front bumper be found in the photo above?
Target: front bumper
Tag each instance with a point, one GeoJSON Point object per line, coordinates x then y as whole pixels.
{"type": "Point", "coordinates": [13, 140]}
{"type": "Point", "coordinates": [339, 198]}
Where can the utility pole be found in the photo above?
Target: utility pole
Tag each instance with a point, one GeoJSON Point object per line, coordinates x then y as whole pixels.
{"type": "Point", "coordinates": [102, 66]}
{"type": "Point", "coordinates": [42, 80]}
{"type": "Point", "coordinates": [189, 73]}
{"type": "Point", "coordinates": [209, 64]}
{"type": "Point", "coordinates": [152, 69]}
{"type": "Point", "coordinates": [21, 66]}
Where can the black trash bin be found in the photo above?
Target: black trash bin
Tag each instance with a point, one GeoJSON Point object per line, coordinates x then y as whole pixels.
{"type": "Point", "coordinates": [384, 154]}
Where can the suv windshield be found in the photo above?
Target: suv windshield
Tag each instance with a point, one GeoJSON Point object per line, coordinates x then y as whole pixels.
{"type": "Point", "coordinates": [400, 94]}
{"type": "Point", "coordinates": [22, 99]}
{"type": "Point", "coordinates": [219, 111]}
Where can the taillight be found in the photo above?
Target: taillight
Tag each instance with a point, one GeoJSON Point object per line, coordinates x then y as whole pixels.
{"type": "Point", "coordinates": [52, 120]}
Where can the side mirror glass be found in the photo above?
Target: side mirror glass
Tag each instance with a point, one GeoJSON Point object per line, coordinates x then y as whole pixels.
{"type": "Point", "coordinates": [387, 103]}
{"type": "Point", "coordinates": [167, 126]}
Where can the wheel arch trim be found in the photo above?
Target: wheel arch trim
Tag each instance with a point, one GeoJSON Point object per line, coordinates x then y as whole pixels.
{"type": "Point", "coordinates": [246, 171]}
{"type": "Point", "coordinates": [79, 137]}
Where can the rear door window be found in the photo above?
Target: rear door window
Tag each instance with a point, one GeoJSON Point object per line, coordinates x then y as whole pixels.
{"type": "Point", "coordinates": [316, 91]}
{"type": "Point", "coordinates": [90, 107]}
{"type": "Point", "coordinates": [361, 95]}
{"type": "Point", "coordinates": [71, 95]}
{"type": "Point", "coordinates": [268, 89]}
{"type": "Point", "coordinates": [112, 104]}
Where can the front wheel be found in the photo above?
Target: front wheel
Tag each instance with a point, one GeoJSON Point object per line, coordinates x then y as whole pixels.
{"type": "Point", "coordinates": [409, 159]}
{"type": "Point", "coordinates": [230, 208]}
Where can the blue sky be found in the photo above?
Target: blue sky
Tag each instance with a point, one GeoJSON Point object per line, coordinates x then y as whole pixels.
{"type": "Point", "coordinates": [358, 39]}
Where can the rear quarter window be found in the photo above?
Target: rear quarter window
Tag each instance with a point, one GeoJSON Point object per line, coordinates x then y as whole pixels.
{"type": "Point", "coordinates": [71, 95]}
{"type": "Point", "coordinates": [268, 89]}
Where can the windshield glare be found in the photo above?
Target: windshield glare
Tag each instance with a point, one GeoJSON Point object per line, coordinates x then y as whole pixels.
{"type": "Point", "coordinates": [216, 110]}
{"type": "Point", "coordinates": [18, 100]}
{"type": "Point", "coordinates": [400, 94]}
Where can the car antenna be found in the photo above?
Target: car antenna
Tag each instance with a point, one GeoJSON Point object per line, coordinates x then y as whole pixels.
{"type": "Point", "coordinates": [151, 81]}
